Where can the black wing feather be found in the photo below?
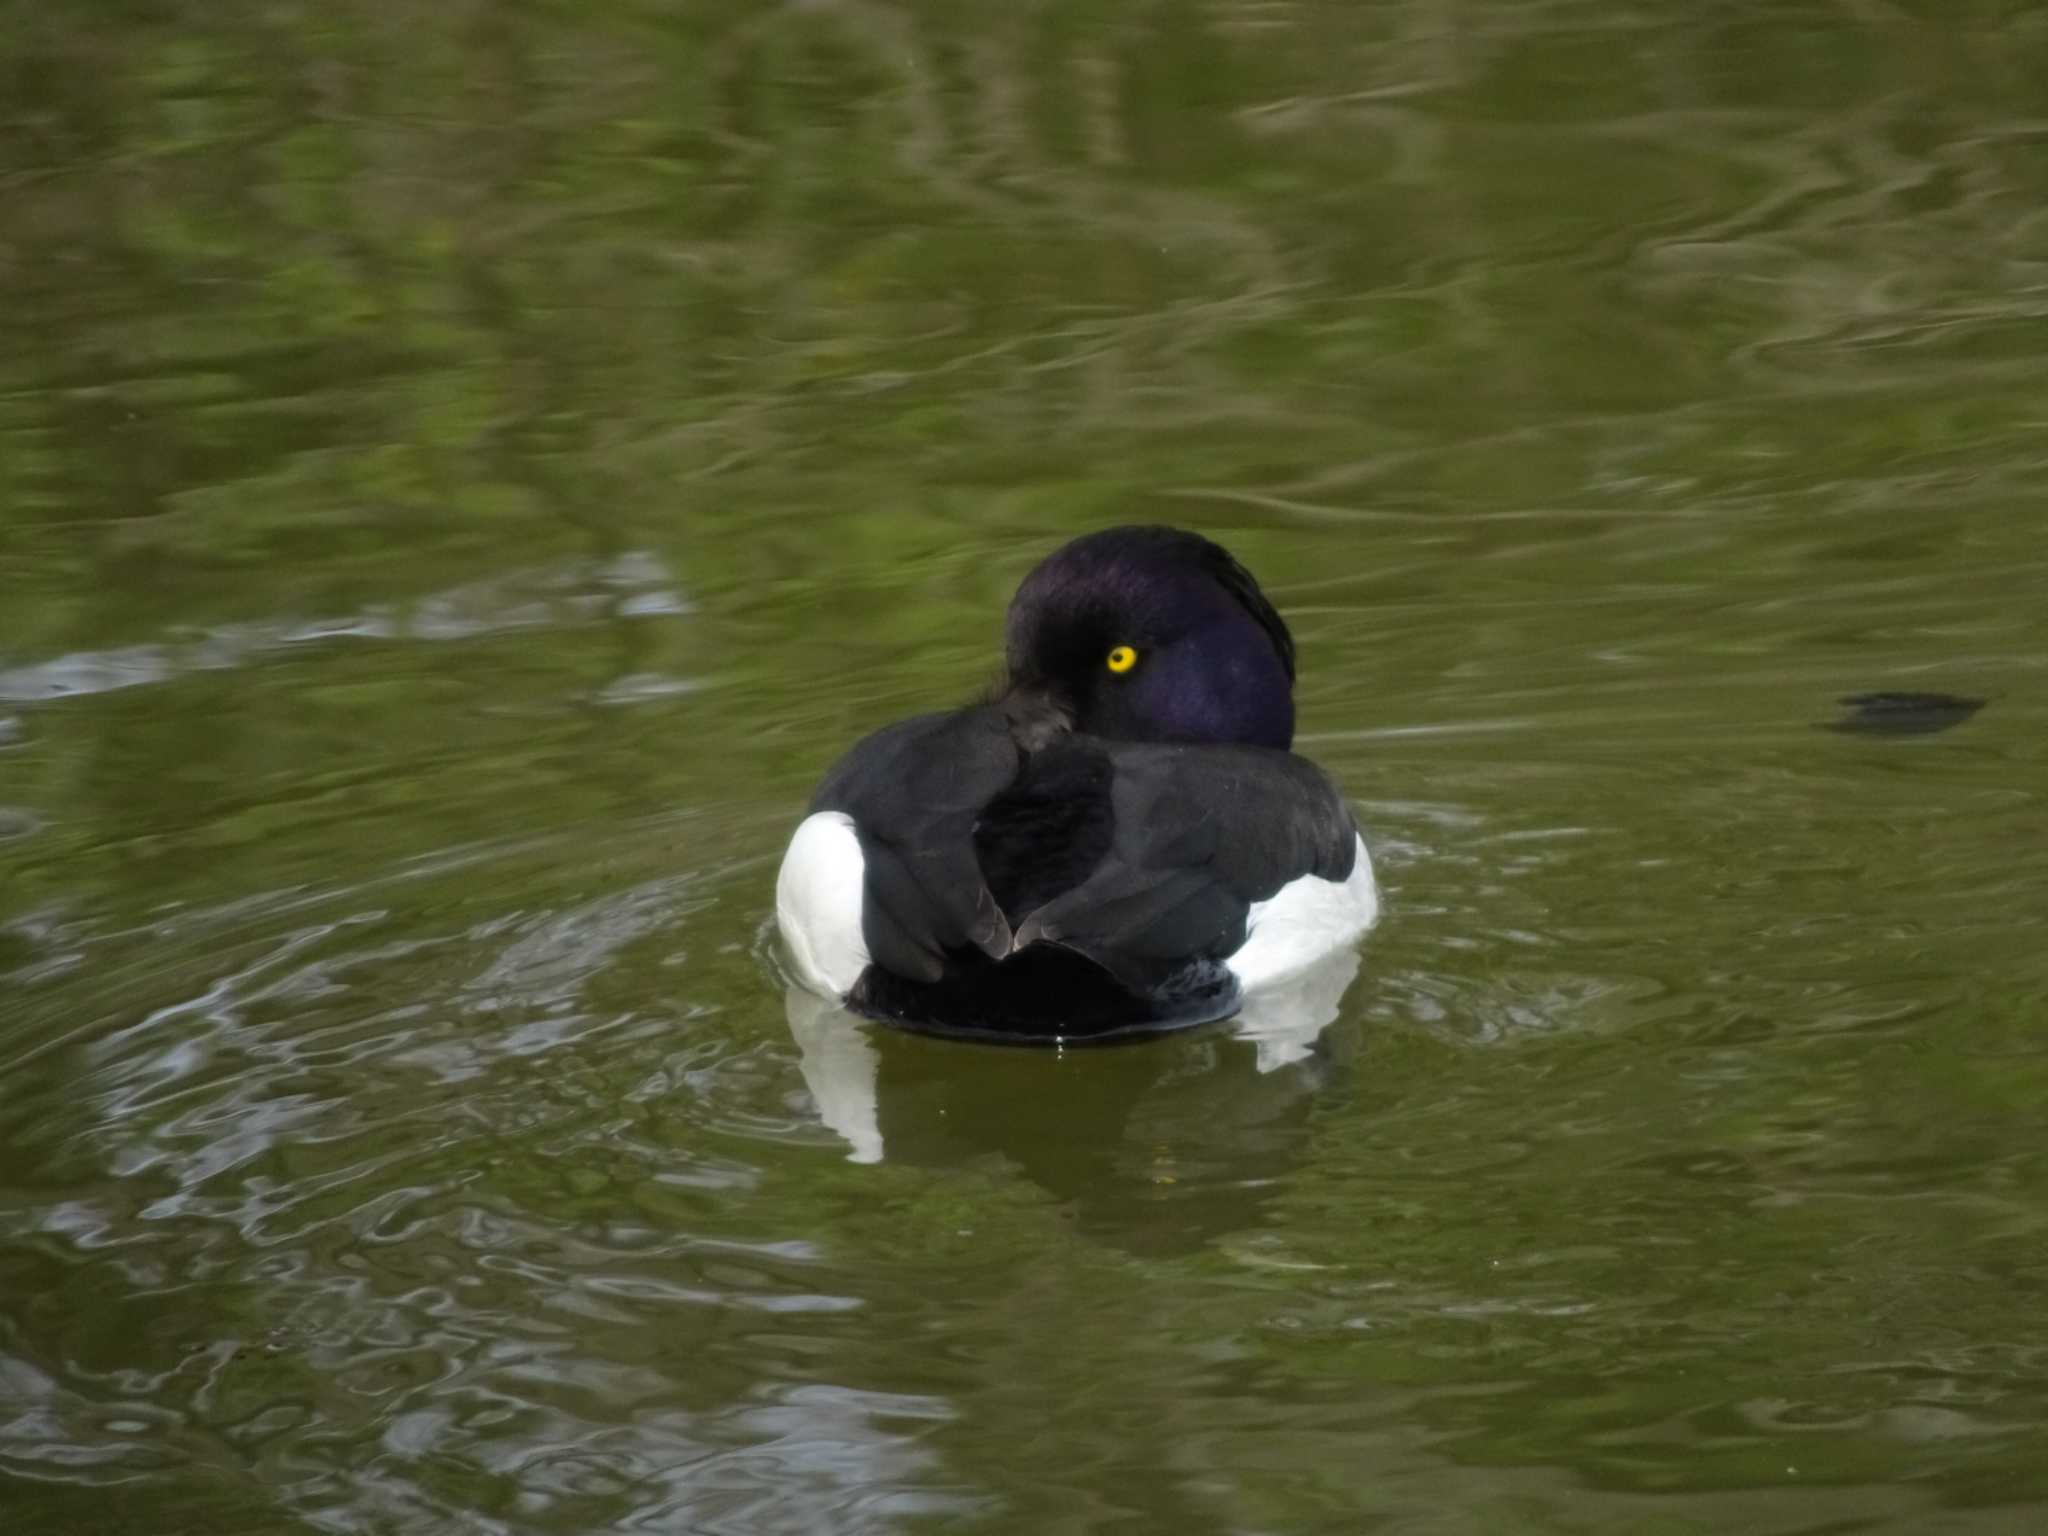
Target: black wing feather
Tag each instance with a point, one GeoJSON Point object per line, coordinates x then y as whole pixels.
{"type": "Point", "coordinates": [1143, 858]}
{"type": "Point", "coordinates": [914, 791]}
{"type": "Point", "coordinates": [1177, 887]}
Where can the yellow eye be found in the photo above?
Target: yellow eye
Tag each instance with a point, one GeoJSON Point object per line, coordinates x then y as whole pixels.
{"type": "Point", "coordinates": [1122, 659]}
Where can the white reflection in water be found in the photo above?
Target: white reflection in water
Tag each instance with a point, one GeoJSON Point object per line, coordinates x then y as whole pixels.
{"type": "Point", "coordinates": [428, 1320]}
{"type": "Point", "coordinates": [807, 1457]}
{"type": "Point", "coordinates": [634, 585]}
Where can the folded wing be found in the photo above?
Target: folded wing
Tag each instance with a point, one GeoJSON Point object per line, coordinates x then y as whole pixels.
{"type": "Point", "coordinates": [914, 791]}
{"type": "Point", "coordinates": [1198, 837]}
{"type": "Point", "coordinates": [1144, 858]}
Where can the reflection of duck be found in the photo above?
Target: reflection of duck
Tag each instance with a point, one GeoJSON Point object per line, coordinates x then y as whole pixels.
{"type": "Point", "coordinates": [1120, 840]}
{"type": "Point", "coordinates": [1155, 1151]}
{"type": "Point", "coordinates": [842, 1068]}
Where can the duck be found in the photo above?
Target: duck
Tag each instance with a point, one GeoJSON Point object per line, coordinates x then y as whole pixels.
{"type": "Point", "coordinates": [1116, 840]}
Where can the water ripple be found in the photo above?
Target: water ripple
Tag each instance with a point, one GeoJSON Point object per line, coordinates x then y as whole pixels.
{"type": "Point", "coordinates": [635, 585]}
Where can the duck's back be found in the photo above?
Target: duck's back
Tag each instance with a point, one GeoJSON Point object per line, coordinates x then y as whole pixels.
{"type": "Point", "coordinates": [1049, 829]}
{"type": "Point", "coordinates": [1084, 888]}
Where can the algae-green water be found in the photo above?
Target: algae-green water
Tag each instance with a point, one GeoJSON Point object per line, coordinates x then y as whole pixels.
{"type": "Point", "coordinates": [466, 470]}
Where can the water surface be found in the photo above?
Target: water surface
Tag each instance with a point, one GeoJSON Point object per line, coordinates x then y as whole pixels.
{"type": "Point", "coordinates": [465, 472]}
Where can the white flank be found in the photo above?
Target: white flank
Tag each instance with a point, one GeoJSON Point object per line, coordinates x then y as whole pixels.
{"type": "Point", "coordinates": [1302, 922]}
{"type": "Point", "coordinates": [817, 903]}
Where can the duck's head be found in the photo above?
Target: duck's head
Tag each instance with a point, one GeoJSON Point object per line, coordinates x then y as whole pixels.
{"type": "Point", "coordinates": [1153, 634]}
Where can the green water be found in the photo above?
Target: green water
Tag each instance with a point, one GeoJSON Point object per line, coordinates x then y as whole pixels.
{"type": "Point", "coordinates": [465, 470]}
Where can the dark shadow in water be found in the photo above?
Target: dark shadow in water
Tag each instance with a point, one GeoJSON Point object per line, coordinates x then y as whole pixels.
{"type": "Point", "coordinates": [1903, 714]}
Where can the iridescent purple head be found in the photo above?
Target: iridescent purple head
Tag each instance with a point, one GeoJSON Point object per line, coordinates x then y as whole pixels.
{"type": "Point", "coordinates": [1154, 634]}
